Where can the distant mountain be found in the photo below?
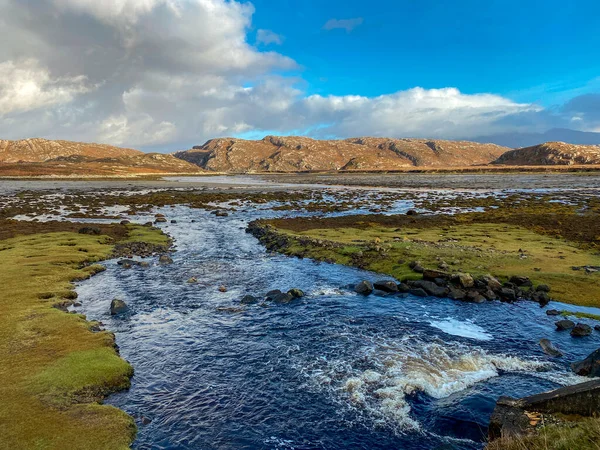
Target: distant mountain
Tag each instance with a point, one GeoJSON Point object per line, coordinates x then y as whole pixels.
{"type": "Point", "coordinates": [520, 140]}
{"type": "Point", "coordinates": [297, 154]}
{"type": "Point", "coordinates": [551, 153]}
{"type": "Point", "coordinates": [33, 157]}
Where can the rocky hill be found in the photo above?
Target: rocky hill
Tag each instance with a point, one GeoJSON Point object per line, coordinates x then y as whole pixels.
{"type": "Point", "coordinates": [41, 157]}
{"type": "Point", "coordinates": [296, 154]}
{"type": "Point", "coordinates": [551, 153]}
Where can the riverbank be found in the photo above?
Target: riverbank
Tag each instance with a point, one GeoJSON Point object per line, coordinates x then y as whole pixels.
{"type": "Point", "coordinates": [57, 367]}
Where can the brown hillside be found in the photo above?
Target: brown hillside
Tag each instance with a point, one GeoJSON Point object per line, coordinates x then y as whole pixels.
{"type": "Point", "coordinates": [294, 154]}
{"type": "Point", "coordinates": [40, 150]}
{"type": "Point", "coordinates": [551, 153]}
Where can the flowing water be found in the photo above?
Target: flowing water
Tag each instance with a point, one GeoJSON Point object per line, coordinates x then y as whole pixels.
{"type": "Point", "coordinates": [329, 371]}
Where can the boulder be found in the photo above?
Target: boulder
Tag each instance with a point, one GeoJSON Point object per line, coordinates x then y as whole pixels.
{"type": "Point", "coordinates": [412, 212]}
{"type": "Point", "coordinates": [418, 292]}
{"type": "Point", "coordinates": [457, 294]}
{"type": "Point", "coordinates": [386, 286]}
{"type": "Point", "coordinates": [221, 214]}
{"type": "Point", "coordinates": [272, 294]}
{"type": "Point", "coordinates": [597, 328]}
{"type": "Point", "coordinates": [475, 297]}
{"type": "Point", "coordinates": [541, 297]}
{"type": "Point", "coordinates": [403, 288]}
{"type": "Point", "coordinates": [581, 330]}
{"type": "Point", "coordinates": [223, 288]}
{"type": "Point", "coordinates": [125, 222]}
{"type": "Point", "coordinates": [589, 367]}
{"type": "Point", "coordinates": [249, 300]}
{"type": "Point", "coordinates": [550, 349]}
{"type": "Point", "coordinates": [553, 312]}
{"type": "Point", "coordinates": [431, 274]}
{"type": "Point", "coordinates": [543, 288]}
{"type": "Point", "coordinates": [430, 288]}
{"type": "Point", "coordinates": [165, 259]}
{"type": "Point", "coordinates": [464, 280]}
{"type": "Point", "coordinates": [296, 293]}
{"type": "Point", "coordinates": [117, 307]}
{"type": "Point", "coordinates": [491, 282]}
{"type": "Point", "coordinates": [282, 298]}
{"type": "Point", "coordinates": [364, 288]}
{"type": "Point", "coordinates": [160, 220]}
{"type": "Point", "coordinates": [489, 294]}
{"type": "Point", "coordinates": [507, 294]}
{"type": "Point", "coordinates": [520, 281]}
{"type": "Point", "coordinates": [564, 324]}
{"type": "Point", "coordinates": [93, 231]}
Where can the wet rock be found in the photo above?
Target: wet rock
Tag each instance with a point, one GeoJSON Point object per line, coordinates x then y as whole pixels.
{"type": "Point", "coordinates": [364, 288]}
{"type": "Point", "coordinates": [418, 292]}
{"type": "Point", "coordinates": [249, 300]}
{"type": "Point", "coordinates": [564, 324]}
{"type": "Point", "coordinates": [386, 286]}
{"type": "Point", "coordinates": [412, 212]}
{"type": "Point", "coordinates": [589, 367]}
{"type": "Point", "coordinates": [282, 298]}
{"type": "Point", "coordinates": [403, 288]}
{"type": "Point", "coordinates": [430, 288]}
{"type": "Point", "coordinates": [159, 216]}
{"type": "Point", "coordinates": [520, 281]}
{"type": "Point", "coordinates": [117, 307]}
{"type": "Point", "coordinates": [541, 297]}
{"type": "Point", "coordinates": [475, 297]}
{"type": "Point", "coordinates": [457, 294]}
{"type": "Point", "coordinates": [272, 294]}
{"type": "Point", "coordinates": [173, 221]}
{"type": "Point", "coordinates": [296, 293]}
{"type": "Point", "coordinates": [431, 274]}
{"type": "Point", "coordinates": [550, 349]}
{"type": "Point", "coordinates": [463, 280]}
{"type": "Point", "coordinates": [93, 231]}
{"type": "Point", "coordinates": [597, 328]}
{"type": "Point", "coordinates": [192, 280]}
{"type": "Point", "coordinates": [507, 294]}
{"type": "Point", "coordinates": [491, 282]}
{"type": "Point", "coordinates": [165, 259]}
{"type": "Point", "coordinates": [508, 420]}
{"type": "Point", "coordinates": [160, 220]}
{"type": "Point", "coordinates": [222, 289]}
{"type": "Point", "coordinates": [489, 294]}
{"type": "Point", "coordinates": [221, 214]}
{"type": "Point", "coordinates": [581, 330]}
{"type": "Point", "coordinates": [145, 420]}
{"type": "Point", "coordinates": [125, 222]}
{"type": "Point", "coordinates": [553, 312]}
{"type": "Point", "coordinates": [380, 293]}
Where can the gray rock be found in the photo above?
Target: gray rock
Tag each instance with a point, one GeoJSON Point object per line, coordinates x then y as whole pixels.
{"type": "Point", "coordinates": [589, 367]}
{"type": "Point", "coordinates": [463, 280]}
{"type": "Point", "coordinates": [386, 286]}
{"type": "Point", "coordinates": [457, 294]}
{"type": "Point", "coordinates": [249, 300]}
{"type": "Point", "coordinates": [403, 288]}
{"type": "Point", "coordinates": [507, 294]}
{"type": "Point", "coordinates": [272, 294]}
{"type": "Point", "coordinates": [543, 288]}
{"type": "Point", "coordinates": [581, 330]}
{"type": "Point", "coordinates": [282, 298]}
{"type": "Point", "coordinates": [117, 307]}
{"type": "Point", "coordinates": [475, 297]}
{"type": "Point", "coordinates": [553, 312]}
{"type": "Point", "coordinates": [430, 287]}
{"type": "Point", "coordinates": [431, 274]}
{"type": "Point", "coordinates": [160, 220]}
{"type": "Point", "coordinates": [364, 288]}
{"type": "Point", "coordinates": [550, 349]}
{"type": "Point", "coordinates": [296, 293]}
{"type": "Point", "coordinates": [491, 282]}
{"type": "Point", "coordinates": [564, 324]}
{"type": "Point", "coordinates": [165, 259]}
{"type": "Point", "coordinates": [418, 292]}
{"type": "Point", "coordinates": [597, 328]}
{"type": "Point", "coordinates": [520, 281]}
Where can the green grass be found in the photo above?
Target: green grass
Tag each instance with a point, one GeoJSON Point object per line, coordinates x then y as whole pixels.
{"type": "Point", "coordinates": [477, 248]}
{"type": "Point", "coordinates": [53, 370]}
{"type": "Point", "coordinates": [581, 315]}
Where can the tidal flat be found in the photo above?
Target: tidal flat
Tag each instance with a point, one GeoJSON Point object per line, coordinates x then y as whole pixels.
{"type": "Point", "coordinates": [328, 369]}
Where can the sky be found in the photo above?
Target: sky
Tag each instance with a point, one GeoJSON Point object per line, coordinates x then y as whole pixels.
{"type": "Point", "coordinates": [169, 74]}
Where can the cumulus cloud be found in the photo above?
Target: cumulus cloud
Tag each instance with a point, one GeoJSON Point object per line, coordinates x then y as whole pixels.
{"type": "Point", "coordinates": [169, 74]}
{"type": "Point", "coordinates": [268, 37]}
{"type": "Point", "coordinates": [26, 85]}
{"type": "Point", "coordinates": [343, 24]}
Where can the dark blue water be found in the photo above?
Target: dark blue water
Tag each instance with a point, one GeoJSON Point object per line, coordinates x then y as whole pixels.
{"type": "Point", "coordinates": [330, 371]}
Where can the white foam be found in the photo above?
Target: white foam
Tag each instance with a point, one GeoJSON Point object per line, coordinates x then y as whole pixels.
{"type": "Point", "coordinates": [465, 329]}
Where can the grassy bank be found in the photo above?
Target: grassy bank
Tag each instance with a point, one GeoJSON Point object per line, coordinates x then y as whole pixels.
{"type": "Point", "coordinates": [497, 243]}
{"type": "Point", "coordinates": [54, 369]}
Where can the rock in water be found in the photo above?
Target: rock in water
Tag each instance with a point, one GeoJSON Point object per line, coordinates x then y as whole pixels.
{"type": "Point", "coordinates": [249, 300]}
{"type": "Point", "coordinates": [589, 367]}
{"type": "Point", "coordinates": [222, 289]}
{"type": "Point", "coordinates": [565, 324]}
{"type": "Point", "coordinates": [117, 307]}
{"type": "Point", "coordinates": [550, 349]}
{"type": "Point", "coordinates": [165, 259]}
{"type": "Point", "coordinates": [272, 294]}
{"type": "Point", "coordinates": [386, 286]}
{"type": "Point", "coordinates": [553, 312]}
{"type": "Point", "coordinates": [364, 288]}
{"type": "Point", "coordinates": [581, 330]}
{"type": "Point", "coordinates": [296, 293]}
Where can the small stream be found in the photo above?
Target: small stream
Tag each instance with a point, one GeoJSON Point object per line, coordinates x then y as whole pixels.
{"type": "Point", "coordinates": [332, 370]}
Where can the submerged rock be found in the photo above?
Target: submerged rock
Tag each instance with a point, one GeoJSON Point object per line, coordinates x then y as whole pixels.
{"type": "Point", "coordinates": [364, 288]}
{"type": "Point", "coordinates": [581, 330]}
{"type": "Point", "coordinates": [165, 259]}
{"type": "Point", "coordinates": [589, 367]}
{"type": "Point", "coordinates": [249, 300]}
{"type": "Point", "coordinates": [272, 294]}
{"type": "Point", "coordinates": [418, 292]}
{"type": "Point", "coordinates": [117, 307]}
{"type": "Point", "coordinates": [550, 349]}
{"type": "Point", "coordinates": [283, 298]}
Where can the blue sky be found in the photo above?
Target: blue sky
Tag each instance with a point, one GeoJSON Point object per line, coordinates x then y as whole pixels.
{"type": "Point", "coordinates": [169, 74]}
{"type": "Point", "coordinates": [529, 50]}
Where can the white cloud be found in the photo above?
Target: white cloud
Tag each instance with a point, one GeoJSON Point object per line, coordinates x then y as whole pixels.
{"type": "Point", "coordinates": [343, 24]}
{"type": "Point", "coordinates": [26, 85]}
{"type": "Point", "coordinates": [268, 37]}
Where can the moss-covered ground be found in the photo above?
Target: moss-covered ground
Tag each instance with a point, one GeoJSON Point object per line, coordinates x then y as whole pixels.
{"type": "Point", "coordinates": [54, 369]}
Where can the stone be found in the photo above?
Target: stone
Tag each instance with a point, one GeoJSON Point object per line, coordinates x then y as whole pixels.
{"type": "Point", "coordinates": [550, 349]}
{"type": "Point", "coordinates": [173, 221]}
{"type": "Point", "coordinates": [145, 420]}
{"type": "Point", "coordinates": [597, 328]}
{"type": "Point", "coordinates": [490, 294]}
{"type": "Point", "coordinates": [432, 274]}
{"type": "Point", "coordinates": [160, 220]}
{"type": "Point", "coordinates": [564, 324]}
{"type": "Point", "coordinates": [93, 231]}
{"type": "Point", "coordinates": [386, 286]}
{"type": "Point", "coordinates": [581, 330]}
{"type": "Point", "coordinates": [296, 293]}
{"type": "Point", "coordinates": [364, 288]}
{"type": "Point", "coordinates": [272, 294]}
{"type": "Point", "coordinates": [117, 307]}
{"type": "Point", "coordinates": [543, 288]}
{"type": "Point", "coordinates": [193, 280]}
{"type": "Point", "coordinates": [430, 287]}
{"type": "Point", "coordinates": [125, 222]}
{"type": "Point", "coordinates": [403, 288]}
{"type": "Point", "coordinates": [165, 259]}
{"type": "Point", "coordinates": [249, 300]}
{"type": "Point", "coordinates": [418, 292]}
{"type": "Point", "coordinates": [221, 214]}
{"type": "Point", "coordinates": [222, 288]}
{"type": "Point", "coordinates": [457, 294]}
{"type": "Point", "coordinates": [418, 269]}
{"type": "Point", "coordinates": [541, 297]}
{"type": "Point", "coordinates": [464, 280]}
{"type": "Point", "coordinates": [589, 367]}
{"type": "Point", "coordinates": [412, 212]}
{"type": "Point", "coordinates": [520, 281]}
{"type": "Point", "coordinates": [553, 312]}
{"type": "Point", "coordinates": [507, 294]}
{"type": "Point", "coordinates": [491, 282]}
{"type": "Point", "coordinates": [475, 297]}
{"type": "Point", "coordinates": [282, 298]}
